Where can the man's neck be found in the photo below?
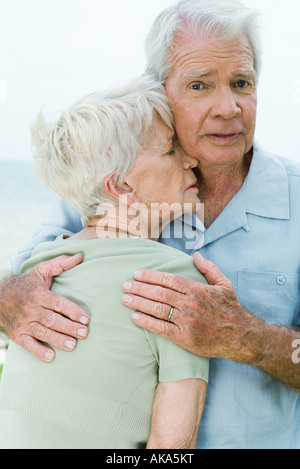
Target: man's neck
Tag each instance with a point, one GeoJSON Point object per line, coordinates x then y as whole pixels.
{"type": "Point", "coordinates": [219, 184]}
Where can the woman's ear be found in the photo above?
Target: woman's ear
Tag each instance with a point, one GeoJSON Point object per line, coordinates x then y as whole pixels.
{"type": "Point", "coordinates": [115, 189]}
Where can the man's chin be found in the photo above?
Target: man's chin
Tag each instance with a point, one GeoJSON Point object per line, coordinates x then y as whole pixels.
{"type": "Point", "coordinates": [212, 154]}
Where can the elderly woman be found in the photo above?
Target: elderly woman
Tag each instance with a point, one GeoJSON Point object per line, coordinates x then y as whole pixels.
{"type": "Point", "coordinates": [111, 155]}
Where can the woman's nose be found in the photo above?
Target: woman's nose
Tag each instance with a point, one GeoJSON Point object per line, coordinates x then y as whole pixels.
{"type": "Point", "coordinates": [189, 162]}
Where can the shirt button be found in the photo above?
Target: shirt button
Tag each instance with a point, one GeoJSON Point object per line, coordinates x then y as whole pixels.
{"type": "Point", "coordinates": [281, 280]}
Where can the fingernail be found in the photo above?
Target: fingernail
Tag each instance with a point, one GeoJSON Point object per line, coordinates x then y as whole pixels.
{"type": "Point", "coordinates": [201, 257]}
{"type": "Point", "coordinates": [49, 356]}
{"type": "Point", "coordinates": [82, 332]}
{"type": "Point", "coordinates": [70, 344]}
{"type": "Point", "coordinates": [135, 316]}
{"type": "Point", "coordinates": [138, 275]}
{"type": "Point", "coordinates": [84, 320]}
{"type": "Point", "coordinates": [127, 298]}
{"type": "Point", "coordinates": [127, 285]}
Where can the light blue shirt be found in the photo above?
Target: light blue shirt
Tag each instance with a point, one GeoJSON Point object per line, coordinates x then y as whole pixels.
{"type": "Point", "coordinates": [255, 242]}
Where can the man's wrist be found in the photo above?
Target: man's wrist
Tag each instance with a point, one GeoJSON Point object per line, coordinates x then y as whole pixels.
{"type": "Point", "coordinates": [250, 345]}
{"type": "Point", "coordinates": [270, 349]}
{"type": "Point", "coordinates": [4, 286]}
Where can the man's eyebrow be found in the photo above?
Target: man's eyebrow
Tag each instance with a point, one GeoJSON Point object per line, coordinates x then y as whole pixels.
{"type": "Point", "coordinates": [246, 74]}
{"type": "Point", "coordinates": [199, 74]}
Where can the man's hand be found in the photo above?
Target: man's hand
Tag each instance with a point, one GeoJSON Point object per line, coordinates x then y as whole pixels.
{"type": "Point", "coordinates": [32, 315]}
{"type": "Point", "coordinates": [207, 318]}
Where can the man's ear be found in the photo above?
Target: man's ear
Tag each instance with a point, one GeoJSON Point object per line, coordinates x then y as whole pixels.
{"type": "Point", "coordinates": [115, 189]}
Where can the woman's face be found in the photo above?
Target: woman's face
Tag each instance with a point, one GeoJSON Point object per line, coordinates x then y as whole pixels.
{"type": "Point", "coordinates": [162, 173]}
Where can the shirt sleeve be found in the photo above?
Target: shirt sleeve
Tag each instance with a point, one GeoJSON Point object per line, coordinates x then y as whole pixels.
{"type": "Point", "coordinates": [174, 362]}
{"type": "Point", "coordinates": [61, 218]}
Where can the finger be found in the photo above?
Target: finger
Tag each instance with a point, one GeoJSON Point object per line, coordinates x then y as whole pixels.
{"type": "Point", "coordinates": [164, 279]}
{"type": "Point", "coordinates": [211, 272]}
{"type": "Point", "coordinates": [164, 328]}
{"type": "Point", "coordinates": [49, 269]}
{"type": "Point", "coordinates": [41, 351]}
{"type": "Point", "coordinates": [152, 292]}
{"type": "Point", "coordinates": [71, 262]}
{"type": "Point", "coordinates": [58, 323]}
{"type": "Point", "coordinates": [59, 304]}
{"type": "Point", "coordinates": [153, 308]}
{"type": "Point", "coordinates": [54, 339]}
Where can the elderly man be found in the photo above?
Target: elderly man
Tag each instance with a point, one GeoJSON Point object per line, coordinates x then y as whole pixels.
{"type": "Point", "coordinates": [208, 55]}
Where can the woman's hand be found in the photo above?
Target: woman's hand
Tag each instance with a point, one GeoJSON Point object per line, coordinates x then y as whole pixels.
{"type": "Point", "coordinates": [207, 319]}
{"type": "Point", "coordinates": [31, 315]}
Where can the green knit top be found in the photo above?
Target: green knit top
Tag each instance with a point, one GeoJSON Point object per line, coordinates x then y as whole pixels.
{"type": "Point", "coordinates": [101, 394]}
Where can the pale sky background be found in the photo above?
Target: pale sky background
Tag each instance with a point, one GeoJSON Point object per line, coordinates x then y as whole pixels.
{"type": "Point", "coordinates": [53, 52]}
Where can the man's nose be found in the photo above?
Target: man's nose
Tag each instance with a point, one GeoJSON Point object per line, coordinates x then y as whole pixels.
{"type": "Point", "coordinates": [225, 104]}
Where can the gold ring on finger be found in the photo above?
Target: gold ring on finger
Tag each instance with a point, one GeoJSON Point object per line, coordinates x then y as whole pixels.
{"type": "Point", "coordinates": [170, 314]}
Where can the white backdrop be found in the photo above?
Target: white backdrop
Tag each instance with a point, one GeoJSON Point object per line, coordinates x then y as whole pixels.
{"type": "Point", "coordinates": [55, 51]}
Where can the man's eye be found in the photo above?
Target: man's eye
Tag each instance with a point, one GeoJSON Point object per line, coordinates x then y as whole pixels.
{"type": "Point", "coordinates": [242, 84]}
{"type": "Point", "coordinates": [172, 152]}
{"type": "Point", "coordinates": [197, 86]}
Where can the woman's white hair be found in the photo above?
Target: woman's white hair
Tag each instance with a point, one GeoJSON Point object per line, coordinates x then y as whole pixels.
{"type": "Point", "coordinates": [222, 19]}
{"type": "Point", "coordinates": [100, 134]}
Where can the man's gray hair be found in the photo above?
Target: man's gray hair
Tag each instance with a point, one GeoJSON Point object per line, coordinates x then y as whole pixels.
{"type": "Point", "coordinates": [99, 135]}
{"type": "Point", "coordinates": [222, 19]}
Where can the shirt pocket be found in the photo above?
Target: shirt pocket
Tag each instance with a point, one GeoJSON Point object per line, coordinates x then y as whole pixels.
{"type": "Point", "coordinates": [271, 296]}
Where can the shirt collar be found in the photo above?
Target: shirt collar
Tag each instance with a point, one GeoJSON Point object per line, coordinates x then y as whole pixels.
{"type": "Point", "coordinates": [266, 186]}
{"type": "Point", "coordinates": [264, 193]}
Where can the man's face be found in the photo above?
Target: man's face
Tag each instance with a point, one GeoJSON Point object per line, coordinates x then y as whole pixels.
{"type": "Point", "coordinates": [212, 91]}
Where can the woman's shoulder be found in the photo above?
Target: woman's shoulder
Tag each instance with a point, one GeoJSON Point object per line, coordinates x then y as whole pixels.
{"type": "Point", "coordinates": [143, 252]}
{"type": "Point", "coordinates": [49, 250]}
{"type": "Point", "coordinates": [176, 262]}
{"type": "Point", "coordinates": [64, 244]}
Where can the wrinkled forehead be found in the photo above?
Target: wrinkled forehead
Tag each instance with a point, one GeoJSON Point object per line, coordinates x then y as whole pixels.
{"type": "Point", "coordinates": [190, 51]}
